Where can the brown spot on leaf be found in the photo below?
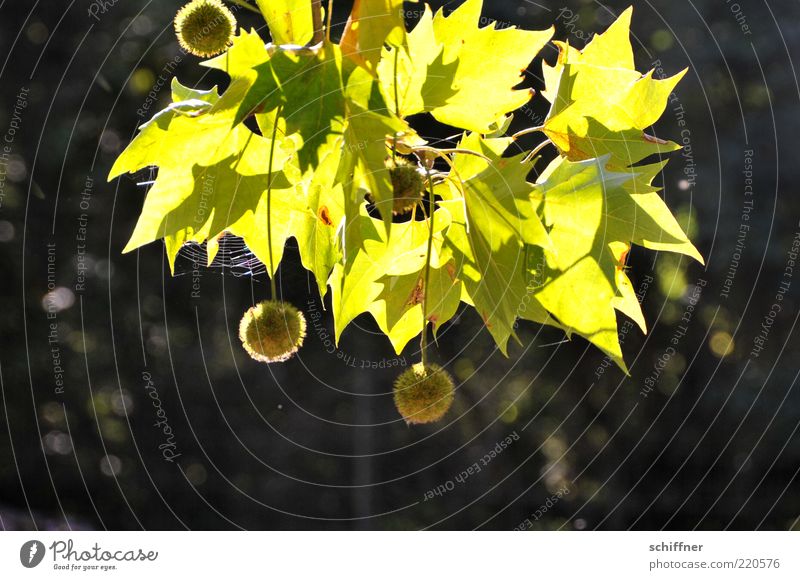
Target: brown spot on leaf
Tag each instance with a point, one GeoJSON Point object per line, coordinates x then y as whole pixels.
{"type": "Point", "coordinates": [325, 215]}
{"type": "Point", "coordinates": [652, 139]}
{"type": "Point", "coordinates": [622, 258]}
{"type": "Point", "coordinates": [418, 294]}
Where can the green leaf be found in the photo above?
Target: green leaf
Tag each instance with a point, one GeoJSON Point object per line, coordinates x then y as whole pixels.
{"type": "Point", "coordinates": [309, 87]}
{"type": "Point", "coordinates": [494, 222]}
{"type": "Point", "coordinates": [494, 278]}
{"type": "Point", "coordinates": [497, 191]}
{"type": "Point", "coordinates": [289, 21]}
{"type": "Point", "coordinates": [642, 217]}
{"type": "Point", "coordinates": [250, 222]}
{"type": "Point", "coordinates": [365, 154]}
{"type": "Point", "coordinates": [446, 68]}
{"type": "Point", "coordinates": [150, 146]}
{"type": "Point", "coordinates": [600, 111]}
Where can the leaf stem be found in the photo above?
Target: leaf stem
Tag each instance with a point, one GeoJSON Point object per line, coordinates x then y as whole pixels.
{"type": "Point", "coordinates": [536, 150]}
{"type": "Point", "coordinates": [443, 152]}
{"type": "Point", "coordinates": [245, 4]}
{"type": "Point", "coordinates": [396, 105]}
{"type": "Point", "coordinates": [330, 20]}
{"type": "Point", "coordinates": [527, 131]}
{"type": "Point", "coordinates": [427, 279]}
{"type": "Point", "coordinates": [396, 92]}
{"type": "Point", "coordinates": [273, 286]}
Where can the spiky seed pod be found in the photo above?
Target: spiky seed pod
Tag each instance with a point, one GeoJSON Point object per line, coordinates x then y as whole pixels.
{"type": "Point", "coordinates": [423, 394]}
{"type": "Point", "coordinates": [205, 28]}
{"type": "Point", "coordinates": [272, 331]}
{"type": "Point", "coordinates": [408, 184]}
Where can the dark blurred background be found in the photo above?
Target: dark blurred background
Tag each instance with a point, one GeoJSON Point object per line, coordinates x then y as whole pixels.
{"type": "Point", "coordinates": [127, 402]}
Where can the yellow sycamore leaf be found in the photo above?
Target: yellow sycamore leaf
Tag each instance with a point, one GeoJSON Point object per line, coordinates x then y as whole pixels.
{"type": "Point", "coordinates": [445, 68]}
{"type": "Point", "coordinates": [494, 223]}
{"type": "Point", "coordinates": [308, 142]}
{"type": "Point", "coordinates": [398, 308]}
{"type": "Point", "coordinates": [289, 21]}
{"type": "Point", "coordinates": [372, 24]}
{"type": "Point", "coordinates": [385, 269]}
{"type": "Point", "coordinates": [611, 49]}
{"type": "Point", "coordinates": [626, 301]}
{"type": "Point", "coordinates": [220, 191]}
{"type": "Point", "coordinates": [593, 215]}
{"type": "Point", "coordinates": [577, 278]}
{"type": "Point", "coordinates": [601, 105]}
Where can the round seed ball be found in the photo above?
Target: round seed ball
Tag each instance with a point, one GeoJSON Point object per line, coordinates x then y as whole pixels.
{"type": "Point", "coordinates": [423, 394]}
{"type": "Point", "coordinates": [272, 331]}
{"type": "Point", "coordinates": [205, 27]}
{"type": "Point", "coordinates": [407, 184]}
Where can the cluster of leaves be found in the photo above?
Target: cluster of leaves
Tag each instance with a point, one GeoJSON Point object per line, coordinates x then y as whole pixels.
{"type": "Point", "coordinates": [303, 141]}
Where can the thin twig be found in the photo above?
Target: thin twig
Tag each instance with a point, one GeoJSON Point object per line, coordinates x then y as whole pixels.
{"type": "Point", "coordinates": [273, 286]}
{"type": "Point", "coordinates": [247, 5]}
{"type": "Point", "coordinates": [432, 209]}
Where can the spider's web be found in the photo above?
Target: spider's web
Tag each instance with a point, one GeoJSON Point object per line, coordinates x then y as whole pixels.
{"type": "Point", "coordinates": [233, 258]}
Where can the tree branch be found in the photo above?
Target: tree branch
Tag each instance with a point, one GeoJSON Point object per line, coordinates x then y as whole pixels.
{"type": "Point", "coordinates": [319, 32]}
